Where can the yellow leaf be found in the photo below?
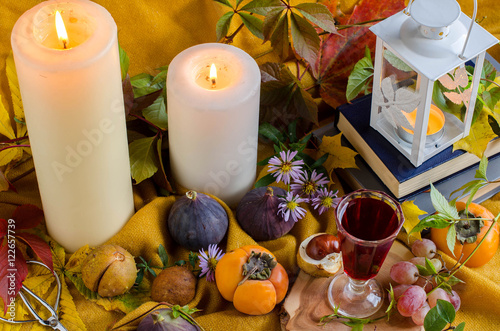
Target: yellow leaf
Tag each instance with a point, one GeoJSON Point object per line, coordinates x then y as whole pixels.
{"type": "Point", "coordinates": [338, 156]}
{"type": "Point", "coordinates": [69, 316]}
{"type": "Point", "coordinates": [11, 154]}
{"type": "Point", "coordinates": [5, 125]}
{"type": "Point", "coordinates": [17, 103]}
{"type": "Point", "coordinates": [411, 213]}
{"type": "Point", "coordinates": [479, 137]}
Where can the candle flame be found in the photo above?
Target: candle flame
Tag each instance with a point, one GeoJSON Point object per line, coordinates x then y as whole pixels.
{"type": "Point", "coordinates": [61, 29]}
{"type": "Point", "coordinates": [213, 74]}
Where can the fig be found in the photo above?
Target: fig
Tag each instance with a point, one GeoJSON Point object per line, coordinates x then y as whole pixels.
{"type": "Point", "coordinates": [175, 285]}
{"type": "Point", "coordinates": [325, 259]}
{"type": "Point", "coordinates": [163, 320]}
{"type": "Point", "coordinates": [109, 270]}
{"type": "Point", "coordinates": [196, 221]}
{"type": "Point", "coordinates": [257, 214]}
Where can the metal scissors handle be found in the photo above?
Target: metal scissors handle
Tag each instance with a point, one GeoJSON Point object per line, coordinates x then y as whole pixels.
{"type": "Point", "coordinates": [53, 321]}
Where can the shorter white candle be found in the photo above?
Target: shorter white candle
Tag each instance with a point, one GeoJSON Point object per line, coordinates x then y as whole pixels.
{"type": "Point", "coordinates": [213, 123]}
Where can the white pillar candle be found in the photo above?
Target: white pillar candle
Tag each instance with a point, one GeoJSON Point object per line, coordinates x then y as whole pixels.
{"type": "Point", "coordinates": [213, 127]}
{"type": "Point", "coordinates": [73, 103]}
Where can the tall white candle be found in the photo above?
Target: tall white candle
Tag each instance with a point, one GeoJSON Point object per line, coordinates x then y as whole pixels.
{"type": "Point", "coordinates": [213, 126]}
{"type": "Point", "coordinates": [73, 104]}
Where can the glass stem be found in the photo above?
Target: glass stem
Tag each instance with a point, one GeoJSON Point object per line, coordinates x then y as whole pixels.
{"type": "Point", "coordinates": [357, 286]}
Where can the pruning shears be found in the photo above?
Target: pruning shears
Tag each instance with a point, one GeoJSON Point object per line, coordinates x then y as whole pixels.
{"type": "Point", "coordinates": [25, 294]}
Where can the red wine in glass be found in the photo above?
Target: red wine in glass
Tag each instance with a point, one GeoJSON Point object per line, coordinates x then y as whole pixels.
{"type": "Point", "coordinates": [366, 220]}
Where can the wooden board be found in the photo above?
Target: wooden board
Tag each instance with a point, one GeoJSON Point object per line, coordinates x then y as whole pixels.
{"type": "Point", "coordinates": [307, 301]}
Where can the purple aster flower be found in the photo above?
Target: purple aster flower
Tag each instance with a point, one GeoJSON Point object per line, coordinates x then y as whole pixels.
{"type": "Point", "coordinates": [289, 207]}
{"type": "Point", "coordinates": [306, 185]}
{"type": "Point", "coordinates": [208, 262]}
{"type": "Point", "coordinates": [324, 200]}
{"type": "Point", "coordinates": [284, 168]}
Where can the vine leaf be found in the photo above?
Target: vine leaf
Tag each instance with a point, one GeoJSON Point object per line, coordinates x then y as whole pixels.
{"type": "Point", "coordinates": [411, 213]}
{"type": "Point", "coordinates": [305, 39]}
{"type": "Point", "coordinates": [156, 113]}
{"type": "Point", "coordinates": [319, 15]}
{"type": "Point", "coordinates": [223, 24]}
{"type": "Point", "coordinates": [262, 7]}
{"type": "Point", "coordinates": [338, 156]}
{"type": "Point", "coordinates": [338, 55]}
{"type": "Point", "coordinates": [142, 158]}
{"type": "Point", "coordinates": [253, 24]}
{"type": "Point", "coordinates": [5, 125]}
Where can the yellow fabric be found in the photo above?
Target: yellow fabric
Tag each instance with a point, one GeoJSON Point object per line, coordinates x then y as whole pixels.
{"type": "Point", "coordinates": [153, 32]}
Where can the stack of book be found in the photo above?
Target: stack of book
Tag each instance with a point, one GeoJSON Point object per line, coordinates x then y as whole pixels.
{"type": "Point", "coordinates": [383, 167]}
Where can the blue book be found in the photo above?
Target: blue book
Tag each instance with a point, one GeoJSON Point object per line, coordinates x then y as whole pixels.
{"type": "Point", "coordinates": [395, 171]}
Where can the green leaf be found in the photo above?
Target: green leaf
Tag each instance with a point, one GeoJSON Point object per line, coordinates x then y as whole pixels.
{"type": "Point", "coordinates": [494, 125]}
{"type": "Point", "coordinates": [441, 204]}
{"type": "Point", "coordinates": [142, 84]}
{"type": "Point", "coordinates": [446, 310]}
{"type": "Point", "coordinates": [460, 327]}
{"type": "Point", "coordinates": [270, 22]}
{"type": "Point", "coordinates": [271, 133]}
{"type": "Point", "coordinates": [320, 161]}
{"type": "Point", "coordinates": [431, 221]}
{"type": "Point", "coordinates": [238, 2]}
{"type": "Point", "coordinates": [253, 24]}
{"type": "Point", "coordinates": [430, 267]}
{"type": "Point", "coordinates": [451, 238]}
{"type": "Point", "coordinates": [161, 78]}
{"type": "Point", "coordinates": [262, 7]}
{"type": "Point", "coordinates": [222, 26]}
{"type": "Point", "coordinates": [162, 181]}
{"type": "Point", "coordinates": [292, 131]}
{"type": "Point", "coordinates": [396, 62]}
{"type": "Point", "coordinates": [305, 39]}
{"type": "Point", "coordinates": [280, 40]}
{"type": "Point", "coordinates": [359, 78]}
{"type": "Point", "coordinates": [163, 255]}
{"type": "Point", "coordinates": [265, 181]}
{"type": "Point", "coordinates": [319, 15]}
{"type": "Point", "coordinates": [124, 61]}
{"type": "Point", "coordinates": [157, 113]}
{"type": "Point", "coordinates": [491, 97]}
{"type": "Point", "coordinates": [142, 158]}
{"type": "Point", "coordinates": [225, 3]}
{"type": "Point", "coordinates": [423, 270]}
{"type": "Point", "coordinates": [433, 321]}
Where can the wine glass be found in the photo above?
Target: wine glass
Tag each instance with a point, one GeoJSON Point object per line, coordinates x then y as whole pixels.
{"type": "Point", "coordinates": [367, 224]}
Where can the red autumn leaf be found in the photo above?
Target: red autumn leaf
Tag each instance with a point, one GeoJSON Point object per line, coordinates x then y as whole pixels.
{"type": "Point", "coordinates": [40, 247]}
{"type": "Point", "coordinates": [3, 229]}
{"type": "Point", "coordinates": [27, 217]}
{"type": "Point", "coordinates": [13, 271]}
{"type": "Point", "coordinates": [338, 55]}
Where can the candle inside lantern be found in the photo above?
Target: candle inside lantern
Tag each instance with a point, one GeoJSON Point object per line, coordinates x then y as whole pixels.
{"type": "Point", "coordinates": [71, 89]}
{"type": "Point", "coordinates": [436, 120]}
{"type": "Point", "coordinates": [213, 112]}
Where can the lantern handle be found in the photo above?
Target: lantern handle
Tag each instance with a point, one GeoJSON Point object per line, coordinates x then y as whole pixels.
{"type": "Point", "coordinates": [461, 56]}
{"type": "Point", "coordinates": [406, 11]}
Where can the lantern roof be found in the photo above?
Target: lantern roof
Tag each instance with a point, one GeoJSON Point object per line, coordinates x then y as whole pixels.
{"type": "Point", "coordinates": [432, 58]}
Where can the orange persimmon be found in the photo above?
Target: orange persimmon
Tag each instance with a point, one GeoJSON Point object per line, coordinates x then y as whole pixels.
{"type": "Point", "coordinates": [251, 296]}
{"type": "Point", "coordinates": [487, 249]}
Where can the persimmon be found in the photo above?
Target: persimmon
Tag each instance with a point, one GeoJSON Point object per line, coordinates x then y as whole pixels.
{"type": "Point", "coordinates": [252, 279]}
{"type": "Point", "coordinates": [469, 235]}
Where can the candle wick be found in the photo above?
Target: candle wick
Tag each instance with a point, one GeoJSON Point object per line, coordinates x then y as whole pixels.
{"type": "Point", "coordinates": [213, 82]}
{"type": "Point", "coordinates": [65, 44]}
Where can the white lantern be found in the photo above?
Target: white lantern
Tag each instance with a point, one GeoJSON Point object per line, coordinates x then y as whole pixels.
{"type": "Point", "coordinates": [427, 43]}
